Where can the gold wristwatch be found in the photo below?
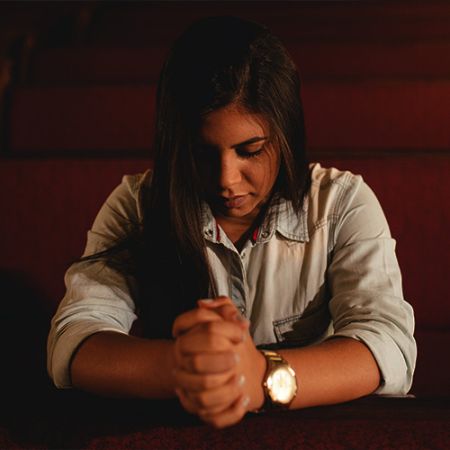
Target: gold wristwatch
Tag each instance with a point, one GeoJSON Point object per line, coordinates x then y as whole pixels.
{"type": "Point", "coordinates": [279, 383]}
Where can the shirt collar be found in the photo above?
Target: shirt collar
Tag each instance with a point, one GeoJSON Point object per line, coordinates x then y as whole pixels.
{"type": "Point", "coordinates": [280, 217]}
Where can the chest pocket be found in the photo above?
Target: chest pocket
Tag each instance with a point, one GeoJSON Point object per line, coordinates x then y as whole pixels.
{"type": "Point", "coordinates": [305, 328]}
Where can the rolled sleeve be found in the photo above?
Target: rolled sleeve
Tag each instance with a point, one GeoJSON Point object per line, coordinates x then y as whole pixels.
{"type": "Point", "coordinates": [98, 297]}
{"type": "Point", "coordinates": [367, 301]}
{"type": "Point", "coordinates": [88, 307]}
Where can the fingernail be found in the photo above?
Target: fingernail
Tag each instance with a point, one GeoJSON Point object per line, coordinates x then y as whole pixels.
{"type": "Point", "coordinates": [205, 300]}
{"type": "Point", "coordinates": [245, 401]}
{"type": "Point", "coordinates": [237, 358]}
{"type": "Point", "coordinates": [241, 380]}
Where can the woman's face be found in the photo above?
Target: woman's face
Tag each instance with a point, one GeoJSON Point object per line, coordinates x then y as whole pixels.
{"type": "Point", "coordinates": [238, 165]}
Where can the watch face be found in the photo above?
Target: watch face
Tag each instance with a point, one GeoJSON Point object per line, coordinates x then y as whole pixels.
{"type": "Point", "coordinates": [282, 384]}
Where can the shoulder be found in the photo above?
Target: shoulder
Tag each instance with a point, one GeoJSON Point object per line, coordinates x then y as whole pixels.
{"type": "Point", "coordinates": [128, 196]}
{"type": "Point", "coordinates": [330, 178]}
{"type": "Point", "coordinates": [336, 193]}
{"type": "Point", "coordinates": [344, 201]}
{"type": "Point", "coordinates": [120, 214]}
{"type": "Point", "coordinates": [330, 189]}
{"type": "Point", "coordinates": [135, 184]}
{"type": "Point", "coordinates": [336, 188]}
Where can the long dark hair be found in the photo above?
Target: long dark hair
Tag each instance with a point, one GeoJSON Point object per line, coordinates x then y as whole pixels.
{"type": "Point", "coordinates": [216, 62]}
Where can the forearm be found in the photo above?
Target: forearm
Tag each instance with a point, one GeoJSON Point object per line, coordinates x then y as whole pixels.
{"type": "Point", "coordinates": [115, 364]}
{"type": "Point", "coordinates": [334, 371]}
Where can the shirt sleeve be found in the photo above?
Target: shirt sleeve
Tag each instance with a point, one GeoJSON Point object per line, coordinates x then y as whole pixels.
{"type": "Point", "coordinates": [367, 302]}
{"type": "Point", "coordinates": [98, 297]}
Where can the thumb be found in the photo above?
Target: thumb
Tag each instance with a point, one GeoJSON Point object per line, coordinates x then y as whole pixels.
{"type": "Point", "coordinates": [225, 307]}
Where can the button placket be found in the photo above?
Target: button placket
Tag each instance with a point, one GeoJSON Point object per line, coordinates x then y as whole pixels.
{"type": "Point", "coordinates": [265, 234]}
{"type": "Point", "coordinates": [238, 288]}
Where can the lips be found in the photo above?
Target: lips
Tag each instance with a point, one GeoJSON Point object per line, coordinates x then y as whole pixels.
{"type": "Point", "coordinates": [234, 202]}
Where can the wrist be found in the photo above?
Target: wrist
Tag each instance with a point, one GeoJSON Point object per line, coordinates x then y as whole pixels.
{"type": "Point", "coordinates": [257, 396]}
{"type": "Point", "coordinates": [280, 382]}
{"type": "Point", "coordinates": [170, 366]}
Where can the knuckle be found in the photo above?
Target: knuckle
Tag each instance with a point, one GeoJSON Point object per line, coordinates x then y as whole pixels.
{"type": "Point", "coordinates": [202, 399]}
{"type": "Point", "coordinates": [177, 347]}
{"type": "Point", "coordinates": [230, 359]}
{"type": "Point", "coordinates": [214, 342]}
{"type": "Point", "coordinates": [211, 327]}
{"type": "Point", "coordinates": [203, 314]}
{"type": "Point", "coordinates": [216, 423]}
{"type": "Point", "coordinates": [186, 404]}
{"type": "Point", "coordinates": [207, 383]}
{"type": "Point", "coordinates": [180, 345]}
{"type": "Point", "coordinates": [196, 363]}
{"type": "Point", "coordinates": [225, 299]}
{"type": "Point", "coordinates": [222, 422]}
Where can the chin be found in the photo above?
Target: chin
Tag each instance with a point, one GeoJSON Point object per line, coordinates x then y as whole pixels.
{"type": "Point", "coordinates": [238, 213]}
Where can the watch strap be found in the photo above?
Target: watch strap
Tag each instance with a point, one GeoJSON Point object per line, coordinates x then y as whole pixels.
{"type": "Point", "coordinates": [273, 359]}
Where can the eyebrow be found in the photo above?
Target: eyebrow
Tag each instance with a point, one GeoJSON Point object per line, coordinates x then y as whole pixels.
{"type": "Point", "coordinates": [252, 140]}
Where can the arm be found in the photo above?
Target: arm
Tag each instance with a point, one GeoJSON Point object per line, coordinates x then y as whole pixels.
{"type": "Point", "coordinates": [367, 302]}
{"type": "Point", "coordinates": [335, 371]}
{"type": "Point", "coordinates": [117, 365]}
{"type": "Point", "coordinates": [98, 298]}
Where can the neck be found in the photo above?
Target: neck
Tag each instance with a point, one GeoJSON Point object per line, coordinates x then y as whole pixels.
{"type": "Point", "coordinates": [238, 229]}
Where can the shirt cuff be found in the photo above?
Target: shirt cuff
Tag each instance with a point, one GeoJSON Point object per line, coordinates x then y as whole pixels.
{"type": "Point", "coordinates": [393, 359]}
{"type": "Point", "coordinates": [67, 344]}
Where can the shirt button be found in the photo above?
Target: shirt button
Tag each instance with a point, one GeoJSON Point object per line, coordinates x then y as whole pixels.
{"type": "Point", "coordinates": [242, 310]}
{"type": "Point", "coordinates": [264, 234]}
{"type": "Point", "coordinates": [243, 255]}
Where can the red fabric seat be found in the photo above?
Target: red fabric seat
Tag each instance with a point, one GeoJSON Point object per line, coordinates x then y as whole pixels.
{"type": "Point", "coordinates": [82, 119]}
{"type": "Point", "coordinates": [49, 206]}
{"type": "Point", "coordinates": [340, 116]}
{"type": "Point", "coordinates": [147, 23]}
{"type": "Point", "coordinates": [315, 60]}
{"type": "Point", "coordinates": [97, 64]}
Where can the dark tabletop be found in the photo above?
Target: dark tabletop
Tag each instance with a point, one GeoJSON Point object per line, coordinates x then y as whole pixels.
{"type": "Point", "coordinates": [73, 420]}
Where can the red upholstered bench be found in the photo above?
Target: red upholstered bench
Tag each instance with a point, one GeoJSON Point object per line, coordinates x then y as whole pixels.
{"type": "Point", "coordinates": [340, 115]}
{"type": "Point", "coordinates": [317, 60]}
{"type": "Point", "coordinates": [97, 64]}
{"type": "Point", "coordinates": [81, 119]}
{"type": "Point", "coordinates": [380, 21]}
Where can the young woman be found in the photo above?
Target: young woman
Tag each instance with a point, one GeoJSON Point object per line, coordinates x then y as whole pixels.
{"type": "Point", "coordinates": [257, 281]}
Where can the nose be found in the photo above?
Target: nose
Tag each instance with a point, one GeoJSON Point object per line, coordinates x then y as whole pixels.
{"type": "Point", "coordinates": [229, 171]}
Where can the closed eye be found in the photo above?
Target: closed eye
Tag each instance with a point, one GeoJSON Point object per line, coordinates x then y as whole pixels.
{"type": "Point", "coordinates": [249, 154]}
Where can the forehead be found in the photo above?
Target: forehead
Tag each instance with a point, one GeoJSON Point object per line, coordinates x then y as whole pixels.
{"type": "Point", "coordinates": [231, 125]}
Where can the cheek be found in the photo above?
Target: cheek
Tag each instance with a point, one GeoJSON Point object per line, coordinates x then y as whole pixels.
{"type": "Point", "coordinates": [268, 173]}
{"type": "Point", "coordinates": [262, 177]}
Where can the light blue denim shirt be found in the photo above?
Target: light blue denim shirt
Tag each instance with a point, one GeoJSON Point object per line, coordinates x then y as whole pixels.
{"type": "Point", "coordinates": [329, 270]}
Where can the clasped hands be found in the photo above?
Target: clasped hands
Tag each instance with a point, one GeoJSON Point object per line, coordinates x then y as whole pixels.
{"type": "Point", "coordinates": [218, 369]}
